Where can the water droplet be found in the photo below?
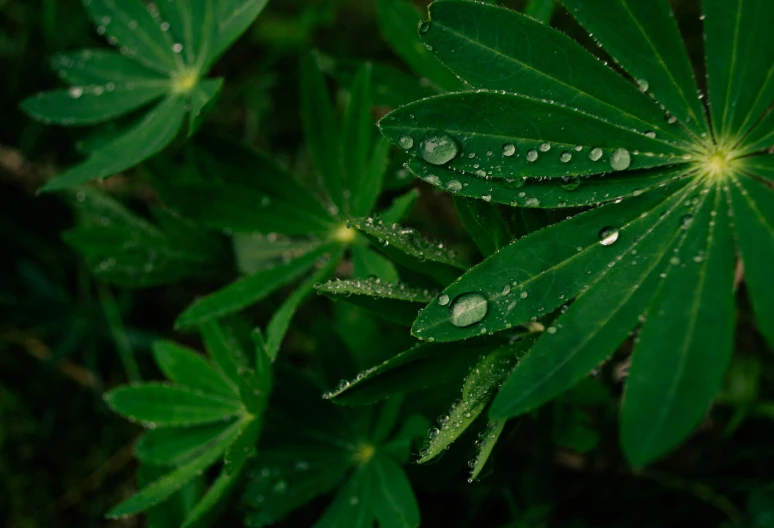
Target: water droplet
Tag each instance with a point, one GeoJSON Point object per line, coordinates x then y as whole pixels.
{"type": "Point", "coordinates": [454, 185]}
{"type": "Point", "coordinates": [468, 309]}
{"type": "Point", "coordinates": [443, 300]}
{"type": "Point", "coordinates": [650, 134]}
{"type": "Point", "coordinates": [523, 295]}
{"type": "Point", "coordinates": [686, 221]}
{"type": "Point", "coordinates": [506, 289]}
{"type": "Point", "coordinates": [608, 236]}
{"type": "Point", "coordinates": [487, 197]}
{"type": "Point", "coordinates": [406, 142]}
{"type": "Point", "coordinates": [570, 184]}
{"type": "Point", "coordinates": [620, 159]}
{"type": "Point", "coordinates": [595, 154]}
{"type": "Point", "coordinates": [551, 329]}
{"type": "Point", "coordinates": [75, 92]}
{"type": "Point", "coordinates": [565, 157]}
{"type": "Point", "coordinates": [545, 147]}
{"type": "Point", "coordinates": [532, 202]}
{"type": "Point", "coordinates": [438, 150]}
{"type": "Point", "coordinates": [164, 26]}
{"type": "Point", "coordinates": [177, 47]}
{"type": "Point", "coordinates": [643, 85]}
{"type": "Point", "coordinates": [532, 155]}
{"type": "Point", "coordinates": [509, 149]}
{"type": "Point", "coordinates": [514, 183]}
{"type": "Point", "coordinates": [424, 26]}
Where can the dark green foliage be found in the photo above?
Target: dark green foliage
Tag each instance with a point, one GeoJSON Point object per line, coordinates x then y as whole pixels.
{"type": "Point", "coordinates": [565, 319]}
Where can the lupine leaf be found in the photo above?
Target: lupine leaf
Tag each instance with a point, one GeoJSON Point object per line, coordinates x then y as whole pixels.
{"type": "Point", "coordinates": [170, 406]}
{"type": "Point", "coordinates": [541, 10]}
{"type": "Point", "coordinates": [510, 136]}
{"type": "Point", "coordinates": [740, 64]}
{"type": "Point", "coordinates": [529, 58]}
{"type": "Point", "coordinates": [224, 352]}
{"type": "Point", "coordinates": [398, 303]}
{"type": "Point", "coordinates": [203, 97]}
{"type": "Point", "coordinates": [234, 17]}
{"type": "Point", "coordinates": [248, 290]}
{"type": "Point", "coordinates": [356, 139]}
{"type": "Point", "coordinates": [173, 446]}
{"type": "Point", "coordinates": [484, 224]}
{"type": "Point", "coordinates": [487, 442]}
{"type": "Point", "coordinates": [131, 24]}
{"type": "Point", "coordinates": [512, 285]}
{"type": "Point", "coordinates": [90, 67]}
{"type": "Point", "coordinates": [670, 388]}
{"type": "Point", "coordinates": [399, 207]}
{"type": "Point", "coordinates": [408, 248]}
{"type": "Point", "coordinates": [660, 65]}
{"type": "Point", "coordinates": [599, 320]}
{"type": "Point", "coordinates": [366, 262]}
{"type": "Point", "coordinates": [215, 494]}
{"type": "Point", "coordinates": [189, 369]}
{"type": "Point", "coordinates": [352, 506]}
{"type": "Point", "coordinates": [243, 447]}
{"type": "Point", "coordinates": [392, 498]}
{"type": "Point", "coordinates": [146, 138]}
{"type": "Point", "coordinates": [193, 24]}
{"type": "Point", "coordinates": [173, 481]}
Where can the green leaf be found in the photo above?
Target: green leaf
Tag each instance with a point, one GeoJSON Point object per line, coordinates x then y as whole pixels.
{"type": "Point", "coordinates": [100, 67]}
{"type": "Point", "coordinates": [173, 446]}
{"type": "Point", "coordinates": [189, 369]}
{"type": "Point", "coordinates": [484, 224]}
{"type": "Point", "coordinates": [173, 481]}
{"type": "Point", "coordinates": [203, 97]}
{"type": "Point", "coordinates": [512, 286]}
{"type": "Point", "coordinates": [423, 365]}
{"type": "Point", "coordinates": [407, 247]}
{"type": "Point", "coordinates": [255, 252]}
{"type": "Point", "coordinates": [479, 387]}
{"type": "Point", "coordinates": [534, 193]}
{"type": "Point", "coordinates": [740, 64]}
{"type": "Point", "coordinates": [234, 17]}
{"type": "Point", "coordinates": [192, 24]}
{"type": "Point", "coordinates": [670, 388]}
{"type": "Point", "coordinates": [398, 23]}
{"type": "Point", "coordinates": [507, 136]}
{"type": "Point", "coordinates": [752, 204]}
{"type": "Point", "coordinates": [280, 321]}
{"type": "Point", "coordinates": [541, 10]}
{"type": "Point", "coordinates": [402, 445]}
{"type": "Point", "coordinates": [143, 140]}
{"type": "Point", "coordinates": [392, 499]}
{"type": "Point", "coordinates": [248, 290]}
{"type": "Point", "coordinates": [352, 506]}
{"type": "Point", "coordinates": [133, 27]}
{"type": "Point", "coordinates": [253, 391]}
{"type": "Point", "coordinates": [540, 62]}
{"type": "Point", "coordinates": [90, 105]}
{"type": "Point", "coordinates": [400, 207]}
{"type": "Point", "coordinates": [601, 317]}
{"type": "Point", "coordinates": [243, 447]}
{"type": "Point", "coordinates": [368, 263]}
{"type": "Point", "coordinates": [223, 349]}
{"type": "Point", "coordinates": [660, 64]}
{"type": "Point", "coordinates": [760, 166]}
{"type": "Point", "coordinates": [168, 406]}
{"type": "Point", "coordinates": [487, 442]}
{"type": "Point", "coordinates": [320, 130]}
{"type": "Point", "coordinates": [356, 138]}
{"type": "Point", "coordinates": [394, 302]}
{"type": "Point", "coordinates": [371, 180]}
{"type": "Point", "coordinates": [222, 486]}
{"type": "Point", "coordinates": [177, 506]}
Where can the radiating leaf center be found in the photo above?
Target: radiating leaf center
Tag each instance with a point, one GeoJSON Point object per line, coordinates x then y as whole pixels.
{"type": "Point", "coordinates": [363, 453]}
{"type": "Point", "coordinates": [344, 234]}
{"type": "Point", "coordinates": [717, 162]}
{"type": "Point", "coordinates": [184, 81]}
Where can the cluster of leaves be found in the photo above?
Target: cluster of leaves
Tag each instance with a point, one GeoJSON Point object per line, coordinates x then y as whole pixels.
{"type": "Point", "coordinates": [665, 205]}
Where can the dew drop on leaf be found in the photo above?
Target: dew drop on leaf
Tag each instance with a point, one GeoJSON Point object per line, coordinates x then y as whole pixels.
{"type": "Point", "coordinates": [468, 309]}
{"type": "Point", "coordinates": [454, 185]}
{"type": "Point", "coordinates": [686, 221]}
{"type": "Point", "coordinates": [545, 147]}
{"type": "Point", "coordinates": [75, 92]}
{"type": "Point", "coordinates": [439, 149]}
{"type": "Point", "coordinates": [643, 84]}
{"type": "Point", "coordinates": [443, 300]}
{"type": "Point", "coordinates": [620, 159]}
{"type": "Point", "coordinates": [565, 157]}
{"type": "Point", "coordinates": [650, 134]}
{"type": "Point", "coordinates": [424, 26]}
{"type": "Point", "coordinates": [406, 142]}
{"type": "Point", "coordinates": [532, 155]}
{"type": "Point", "coordinates": [595, 154]}
{"type": "Point", "coordinates": [608, 236]}
{"type": "Point", "coordinates": [509, 149]}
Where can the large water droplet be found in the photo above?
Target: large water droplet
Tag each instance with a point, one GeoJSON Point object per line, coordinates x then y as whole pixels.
{"type": "Point", "coordinates": [532, 155]}
{"type": "Point", "coordinates": [454, 185]}
{"type": "Point", "coordinates": [608, 236]}
{"type": "Point", "coordinates": [439, 150]}
{"type": "Point", "coordinates": [565, 157]}
{"type": "Point", "coordinates": [468, 309]}
{"type": "Point", "coordinates": [620, 159]}
{"type": "Point", "coordinates": [443, 300]}
{"type": "Point", "coordinates": [406, 142]}
{"type": "Point", "coordinates": [75, 92]}
{"type": "Point", "coordinates": [595, 154]}
{"type": "Point", "coordinates": [545, 147]}
{"type": "Point", "coordinates": [509, 149]}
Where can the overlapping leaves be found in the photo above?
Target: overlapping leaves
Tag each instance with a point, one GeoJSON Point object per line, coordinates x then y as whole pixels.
{"type": "Point", "coordinates": [550, 126]}
{"type": "Point", "coordinates": [155, 77]}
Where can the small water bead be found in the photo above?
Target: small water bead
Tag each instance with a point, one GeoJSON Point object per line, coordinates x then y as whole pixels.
{"type": "Point", "coordinates": [509, 149]}
{"type": "Point", "coordinates": [608, 236]}
{"type": "Point", "coordinates": [177, 47]}
{"type": "Point", "coordinates": [487, 197]}
{"type": "Point", "coordinates": [454, 185]}
{"type": "Point", "coordinates": [439, 149]}
{"type": "Point", "coordinates": [432, 179]}
{"type": "Point", "coordinates": [686, 221]}
{"type": "Point", "coordinates": [443, 300]}
{"type": "Point", "coordinates": [570, 183]}
{"type": "Point", "coordinates": [506, 289]}
{"type": "Point", "coordinates": [532, 202]}
{"type": "Point", "coordinates": [468, 309]}
{"type": "Point", "coordinates": [620, 159]}
{"type": "Point", "coordinates": [523, 295]}
{"type": "Point", "coordinates": [545, 147]}
{"type": "Point", "coordinates": [424, 26]}
{"type": "Point", "coordinates": [565, 157]}
{"type": "Point", "coordinates": [532, 155]}
{"type": "Point", "coordinates": [75, 92]}
{"type": "Point", "coordinates": [551, 329]}
{"type": "Point", "coordinates": [650, 134]}
{"type": "Point", "coordinates": [595, 154]}
{"type": "Point", "coordinates": [514, 183]}
{"type": "Point", "coordinates": [406, 142]}
{"type": "Point", "coordinates": [578, 148]}
{"type": "Point", "coordinates": [643, 85]}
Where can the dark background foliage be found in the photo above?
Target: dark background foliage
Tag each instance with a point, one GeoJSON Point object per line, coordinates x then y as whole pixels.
{"type": "Point", "coordinates": [65, 459]}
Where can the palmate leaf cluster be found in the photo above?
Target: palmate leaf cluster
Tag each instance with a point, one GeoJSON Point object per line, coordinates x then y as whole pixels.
{"type": "Point", "coordinates": [665, 203]}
